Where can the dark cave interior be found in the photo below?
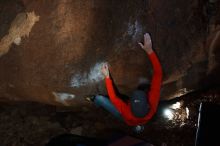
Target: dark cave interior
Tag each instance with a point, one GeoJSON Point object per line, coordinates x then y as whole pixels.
{"type": "Point", "coordinates": [51, 53]}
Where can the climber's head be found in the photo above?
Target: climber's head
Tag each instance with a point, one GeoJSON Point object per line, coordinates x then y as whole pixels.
{"type": "Point", "coordinates": [139, 103]}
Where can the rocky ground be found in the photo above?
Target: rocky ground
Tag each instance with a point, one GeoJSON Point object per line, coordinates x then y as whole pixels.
{"type": "Point", "coordinates": [33, 124]}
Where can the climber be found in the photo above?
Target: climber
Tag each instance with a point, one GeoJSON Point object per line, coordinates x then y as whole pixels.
{"type": "Point", "coordinates": [143, 103]}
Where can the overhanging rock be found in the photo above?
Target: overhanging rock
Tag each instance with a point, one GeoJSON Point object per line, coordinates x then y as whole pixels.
{"type": "Point", "coordinates": [57, 59]}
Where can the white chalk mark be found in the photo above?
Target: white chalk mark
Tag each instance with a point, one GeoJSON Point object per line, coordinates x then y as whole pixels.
{"type": "Point", "coordinates": [17, 41]}
{"type": "Point", "coordinates": [63, 97]}
{"type": "Point", "coordinates": [134, 30]}
{"type": "Point", "coordinates": [82, 79]}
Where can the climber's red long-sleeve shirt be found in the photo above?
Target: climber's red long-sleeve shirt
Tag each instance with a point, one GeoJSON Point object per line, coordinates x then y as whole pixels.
{"type": "Point", "coordinates": [153, 95]}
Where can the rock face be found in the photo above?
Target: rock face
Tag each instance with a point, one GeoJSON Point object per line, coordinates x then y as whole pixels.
{"type": "Point", "coordinates": [56, 56]}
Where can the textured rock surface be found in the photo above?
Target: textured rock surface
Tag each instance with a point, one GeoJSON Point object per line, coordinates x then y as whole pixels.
{"type": "Point", "coordinates": [59, 61]}
{"type": "Point", "coordinates": [20, 27]}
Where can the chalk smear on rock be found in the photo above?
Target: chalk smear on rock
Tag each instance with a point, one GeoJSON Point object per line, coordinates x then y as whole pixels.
{"type": "Point", "coordinates": [93, 76]}
{"type": "Point", "coordinates": [63, 97]}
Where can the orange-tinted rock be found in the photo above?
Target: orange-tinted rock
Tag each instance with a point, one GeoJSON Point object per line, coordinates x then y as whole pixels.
{"type": "Point", "coordinates": [59, 61]}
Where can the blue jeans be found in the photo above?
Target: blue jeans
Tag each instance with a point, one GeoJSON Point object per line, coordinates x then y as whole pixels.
{"type": "Point", "coordinates": [107, 105]}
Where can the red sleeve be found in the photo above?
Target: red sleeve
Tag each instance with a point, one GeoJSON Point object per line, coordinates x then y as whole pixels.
{"type": "Point", "coordinates": [118, 103]}
{"type": "Point", "coordinates": [154, 93]}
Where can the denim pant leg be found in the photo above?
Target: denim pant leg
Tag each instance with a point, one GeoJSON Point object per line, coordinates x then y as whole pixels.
{"type": "Point", "coordinates": [107, 105]}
